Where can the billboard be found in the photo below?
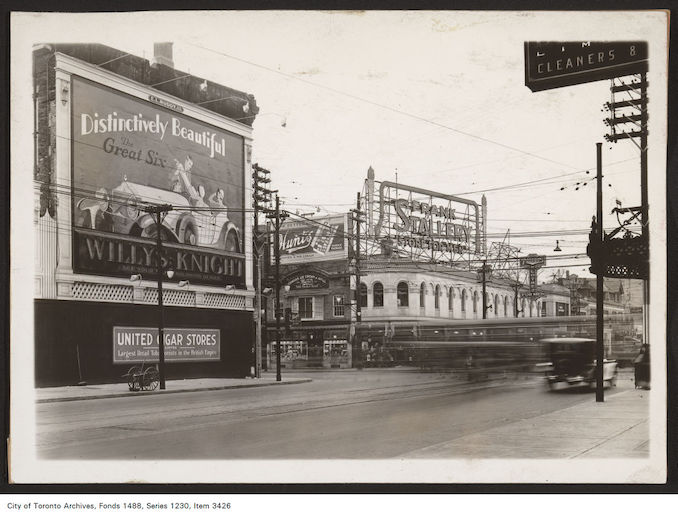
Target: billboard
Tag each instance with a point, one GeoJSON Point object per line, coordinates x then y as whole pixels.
{"type": "Point", "coordinates": [140, 344]}
{"type": "Point", "coordinates": [425, 225]}
{"type": "Point", "coordinates": [549, 65]}
{"type": "Point", "coordinates": [313, 239]}
{"type": "Point", "coordinates": [127, 153]}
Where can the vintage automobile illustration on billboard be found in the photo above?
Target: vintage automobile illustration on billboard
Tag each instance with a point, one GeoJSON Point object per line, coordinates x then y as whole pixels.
{"type": "Point", "coordinates": [129, 153]}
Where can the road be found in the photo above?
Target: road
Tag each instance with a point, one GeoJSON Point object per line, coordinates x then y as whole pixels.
{"type": "Point", "coordinates": [348, 415]}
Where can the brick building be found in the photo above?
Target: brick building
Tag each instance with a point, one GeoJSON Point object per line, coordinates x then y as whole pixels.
{"type": "Point", "coordinates": [113, 134]}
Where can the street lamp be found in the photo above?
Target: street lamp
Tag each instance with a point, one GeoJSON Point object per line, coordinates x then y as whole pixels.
{"type": "Point", "coordinates": [158, 210]}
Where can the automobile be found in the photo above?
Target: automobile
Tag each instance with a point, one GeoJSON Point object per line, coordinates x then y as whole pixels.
{"type": "Point", "coordinates": [200, 227]}
{"type": "Point", "coordinates": [572, 363]}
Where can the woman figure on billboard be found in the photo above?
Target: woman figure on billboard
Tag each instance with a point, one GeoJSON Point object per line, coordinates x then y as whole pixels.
{"type": "Point", "coordinates": [216, 201]}
{"type": "Point", "coordinates": [181, 179]}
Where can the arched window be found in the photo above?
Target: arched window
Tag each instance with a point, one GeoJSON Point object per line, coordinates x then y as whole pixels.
{"type": "Point", "coordinates": [496, 305]}
{"type": "Point", "coordinates": [463, 301]}
{"type": "Point", "coordinates": [505, 306]}
{"type": "Point", "coordinates": [363, 295]}
{"type": "Point", "coordinates": [403, 295]}
{"type": "Point", "coordinates": [522, 307]}
{"type": "Point", "coordinates": [437, 297]}
{"type": "Point", "coordinates": [475, 302]}
{"type": "Point", "coordinates": [450, 300]}
{"type": "Point", "coordinates": [422, 295]}
{"type": "Point", "coordinates": [378, 295]}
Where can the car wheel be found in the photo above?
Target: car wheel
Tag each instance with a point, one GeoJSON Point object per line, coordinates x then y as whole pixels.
{"type": "Point", "coordinates": [190, 235]}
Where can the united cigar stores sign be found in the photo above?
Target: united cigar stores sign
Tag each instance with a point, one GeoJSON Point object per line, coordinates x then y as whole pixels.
{"type": "Point", "coordinates": [140, 344]}
{"type": "Point", "coordinates": [129, 152]}
{"type": "Point", "coordinates": [549, 65]}
{"type": "Point", "coordinates": [436, 222]}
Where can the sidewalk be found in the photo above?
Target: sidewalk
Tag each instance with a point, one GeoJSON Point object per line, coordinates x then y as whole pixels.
{"type": "Point", "coordinates": [618, 427]}
{"type": "Point", "coordinates": [89, 392]}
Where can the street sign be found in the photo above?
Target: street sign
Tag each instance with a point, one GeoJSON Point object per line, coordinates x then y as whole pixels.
{"type": "Point", "coordinates": [532, 260]}
{"type": "Point", "coordinates": [549, 65]}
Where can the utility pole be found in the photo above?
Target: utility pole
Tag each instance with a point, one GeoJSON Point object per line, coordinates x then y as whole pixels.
{"type": "Point", "coordinates": [600, 396]}
{"type": "Point", "coordinates": [276, 248]}
{"type": "Point", "coordinates": [358, 306]}
{"type": "Point", "coordinates": [484, 270]}
{"type": "Point", "coordinates": [261, 198]}
{"type": "Point", "coordinates": [645, 233]}
{"type": "Point", "coordinates": [158, 211]}
{"type": "Point", "coordinates": [516, 286]}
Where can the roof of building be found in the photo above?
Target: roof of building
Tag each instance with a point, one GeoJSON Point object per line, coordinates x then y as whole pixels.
{"type": "Point", "coordinates": [554, 288]}
{"type": "Point", "coordinates": [212, 96]}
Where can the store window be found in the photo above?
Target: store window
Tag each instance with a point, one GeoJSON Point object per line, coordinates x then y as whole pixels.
{"type": "Point", "coordinates": [403, 295]}
{"type": "Point", "coordinates": [378, 295]}
{"type": "Point", "coordinates": [436, 299]}
{"type": "Point", "coordinates": [363, 295]}
{"type": "Point", "coordinates": [562, 309]}
{"type": "Point", "coordinates": [422, 296]}
{"type": "Point", "coordinates": [338, 305]}
{"type": "Point", "coordinates": [305, 307]}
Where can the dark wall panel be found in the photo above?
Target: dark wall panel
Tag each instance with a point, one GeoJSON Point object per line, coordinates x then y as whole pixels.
{"type": "Point", "coordinates": [65, 328]}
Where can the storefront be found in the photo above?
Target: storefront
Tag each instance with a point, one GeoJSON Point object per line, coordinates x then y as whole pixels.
{"type": "Point", "coordinates": [110, 147]}
{"type": "Point", "coordinates": [315, 295]}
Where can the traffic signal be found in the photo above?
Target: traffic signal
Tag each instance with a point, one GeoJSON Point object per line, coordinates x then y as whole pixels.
{"type": "Point", "coordinates": [594, 249]}
{"type": "Point", "coordinates": [261, 194]}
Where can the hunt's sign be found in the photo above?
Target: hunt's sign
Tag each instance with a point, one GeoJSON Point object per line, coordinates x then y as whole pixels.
{"type": "Point", "coordinates": [315, 238]}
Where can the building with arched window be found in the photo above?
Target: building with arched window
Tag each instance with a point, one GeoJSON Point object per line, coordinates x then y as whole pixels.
{"type": "Point", "coordinates": [403, 292]}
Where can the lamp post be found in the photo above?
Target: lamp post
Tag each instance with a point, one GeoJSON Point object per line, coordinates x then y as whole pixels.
{"type": "Point", "coordinates": [158, 210]}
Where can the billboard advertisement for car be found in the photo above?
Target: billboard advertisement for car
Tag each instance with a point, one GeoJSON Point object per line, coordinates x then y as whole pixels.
{"type": "Point", "coordinates": [128, 153]}
{"type": "Point", "coordinates": [313, 239]}
{"type": "Point", "coordinates": [140, 344]}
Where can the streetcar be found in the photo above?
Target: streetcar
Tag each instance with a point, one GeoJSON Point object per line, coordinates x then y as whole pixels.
{"type": "Point", "coordinates": [496, 344]}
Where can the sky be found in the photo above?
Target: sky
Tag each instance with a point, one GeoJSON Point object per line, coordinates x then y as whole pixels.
{"type": "Point", "coordinates": [435, 98]}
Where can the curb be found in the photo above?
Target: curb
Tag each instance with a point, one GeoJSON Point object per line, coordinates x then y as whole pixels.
{"type": "Point", "coordinates": [167, 391]}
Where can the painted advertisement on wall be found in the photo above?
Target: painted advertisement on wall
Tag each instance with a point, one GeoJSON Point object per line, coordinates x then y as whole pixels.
{"type": "Point", "coordinates": [128, 153]}
{"type": "Point", "coordinates": [313, 239]}
{"type": "Point", "coordinates": [140, 344]}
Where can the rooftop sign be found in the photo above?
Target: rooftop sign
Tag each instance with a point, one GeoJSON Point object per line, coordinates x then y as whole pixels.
{"type": "Point", "coordinates": [549, 65]}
